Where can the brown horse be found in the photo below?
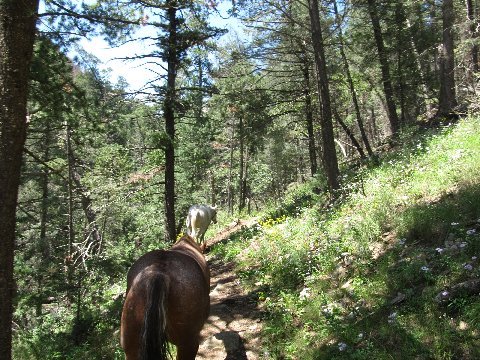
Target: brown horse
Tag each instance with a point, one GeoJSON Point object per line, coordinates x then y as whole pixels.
{"type": "Point", "coordinates": [167, 300]}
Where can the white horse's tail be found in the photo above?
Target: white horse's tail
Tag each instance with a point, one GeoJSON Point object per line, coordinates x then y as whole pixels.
{"type": "Point", "coordinates": [193, 232]}
{"type": "Point", "coordinates": [188, 222]}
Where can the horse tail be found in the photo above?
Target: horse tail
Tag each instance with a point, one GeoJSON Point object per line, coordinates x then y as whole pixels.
{"type": "Point", "coordinates": [189, 224]}
{"type": "Point", "coordinates": [153, 334]}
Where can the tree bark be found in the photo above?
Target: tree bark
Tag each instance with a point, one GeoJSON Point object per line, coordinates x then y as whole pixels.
{"type": "Point", "coordinates": [473, 34]}
{"type": "Point", "coordinates": [447, 98]}
{"type": "Point", "coordinates": [169, 116]}
{"type": "Point", "coordinates": [329, 155]}
{"type": "Point", "coordinates": [385, 68]}
{"type": "Point", "coordinates": [309, 115]}
{"type": "Point", "coordinates": [43, 245]}
{"type": "Point", "coordinates": [230, 171]}
{"type": "Point", "coordinates": [17, 33]}
{"type": "Point", "coordinates": [425, 86]}
{"type": "Point", "coordinates": [241, 174]}
{"type": "Point", "coordinates": [351, 86]}
{"type": "Point", "coordinates": [401, 49]}
{"type": "Point", "coordinates": [213, 196]}
{"type": "Point", "coordinates": [92, 232]}
{"type": "Point", "coordinates": [69, 261]}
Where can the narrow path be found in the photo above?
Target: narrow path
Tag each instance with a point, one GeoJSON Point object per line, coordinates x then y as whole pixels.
{"type": "Point", "coordinates": [233, 329]}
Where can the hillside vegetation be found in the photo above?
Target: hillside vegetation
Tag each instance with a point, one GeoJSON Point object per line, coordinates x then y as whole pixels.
{"type": "Point", "coordinates": [390, 271]}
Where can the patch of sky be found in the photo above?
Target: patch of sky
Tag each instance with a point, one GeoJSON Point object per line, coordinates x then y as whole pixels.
{"type": "Point", "coordinates": [117, 63]}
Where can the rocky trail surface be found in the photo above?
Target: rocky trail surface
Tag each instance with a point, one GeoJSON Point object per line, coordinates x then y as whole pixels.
{"type": "Point", "coordinates": [233, 329]}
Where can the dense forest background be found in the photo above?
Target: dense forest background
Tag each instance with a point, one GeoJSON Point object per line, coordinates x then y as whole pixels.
{"type": "Point", "coordinates": [317, 89]}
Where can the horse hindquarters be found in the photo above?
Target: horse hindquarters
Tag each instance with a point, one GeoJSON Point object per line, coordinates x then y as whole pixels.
{"type": "Point", "coordinates": [143, 325]}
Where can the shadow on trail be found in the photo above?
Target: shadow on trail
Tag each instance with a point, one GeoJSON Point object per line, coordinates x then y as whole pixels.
{"type": "Point", "coordinates": [233, 345]}
{"type": "Point", "coordinates": [232, 321]}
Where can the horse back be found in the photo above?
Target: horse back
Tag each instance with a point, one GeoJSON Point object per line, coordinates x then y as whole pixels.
{"type": "Point", "coordinates": [182, 265]}
{"type": "Point", "coordinates": [186, 274]}
{"type": "Point", "coordinates": [188, 246]}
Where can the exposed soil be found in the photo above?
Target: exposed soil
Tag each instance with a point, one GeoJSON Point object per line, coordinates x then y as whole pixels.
{"type": "Point", "coordinates": [233, 329]}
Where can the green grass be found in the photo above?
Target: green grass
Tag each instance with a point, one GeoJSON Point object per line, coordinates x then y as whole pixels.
{"type": "Point", "coordinates": [399, 233]}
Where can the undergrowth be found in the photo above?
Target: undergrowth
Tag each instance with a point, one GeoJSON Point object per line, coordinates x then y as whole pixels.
{"type": "Point", "coordinates": [358, 279]}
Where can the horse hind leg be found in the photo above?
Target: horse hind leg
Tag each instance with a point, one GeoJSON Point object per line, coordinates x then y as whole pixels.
{"type": "Point", "coordinates": [187, 350]}
{"type": "Point", "coordinates": [203, 244]}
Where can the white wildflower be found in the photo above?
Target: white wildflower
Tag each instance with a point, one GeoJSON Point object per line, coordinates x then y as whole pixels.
{"type": "Point", "coordinates": [471, 232]}
{"type": "Point", "coordinates": [305, 293]}
{"type": "Point", "coordinates": [468, 267]}
{"type": "Point", "coordinates": [327, 310]}
{"type": "Point", "coordinates": [342, 346]}
{"type": "Point", "coordinates": [454, 224]}
{"type": "Point", "coordinates": [425, 268]}
{"type": "Point", "coordinates": [457, 155]}
{"type": "Point", "coordinates": [439, 250]}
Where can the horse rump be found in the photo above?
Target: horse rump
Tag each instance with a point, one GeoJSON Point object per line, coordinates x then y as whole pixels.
{"type": "Point", "coordinates": [167, 302]}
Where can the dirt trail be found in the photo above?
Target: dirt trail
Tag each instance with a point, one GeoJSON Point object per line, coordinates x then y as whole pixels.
{"type": "Point", "coordinates": [233, 329]}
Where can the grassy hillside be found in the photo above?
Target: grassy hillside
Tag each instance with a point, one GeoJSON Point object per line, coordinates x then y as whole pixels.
{"type": "Point", "coordinates": [390, 271]}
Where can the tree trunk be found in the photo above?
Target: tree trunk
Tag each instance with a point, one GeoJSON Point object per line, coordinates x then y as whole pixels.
{"type": "Point", "coordinates": [329, 154]}
{"type": "Point", "coordinates": [401, 48]}
{"type": "Point", "coordinates": [241, 175]}
{"type": "Point", "coordinates": [309, 115]}
{"type": "Point", "coordinates": [447, 99]}
{"type": "Point", "coordinates": [352, 89]}
{"type": "Point", "coordinates": [169, 116]}
{"type": "Point", "coordinates": [92, 233]}
{"type": "Point", "coordinates": [473, 34]}
{"type": "Point", "coordinates": [373, 121]}
{"type": "Point", "coordinates": [17, 32]}
{"type": "Point", "coordinates": [213, 197]}
{"type": "Point", "coordinates": [69, 261]}
{"type": "Point", "coordinates": [230, 171]}
{"type": "Point", "coordinates": [385, 68]}
{"type": "Point", "coordinates": [300, 164]}
{"type": "Point", "coordinates": [245, 193]}
{"type": "Point", "coordinates": [426, 89]}
{"type": "Point", "coordinates": [43, 246]}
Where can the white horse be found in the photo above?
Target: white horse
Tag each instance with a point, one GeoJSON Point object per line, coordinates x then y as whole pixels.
{"type": "Point", "coordinates": [198, 219]}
